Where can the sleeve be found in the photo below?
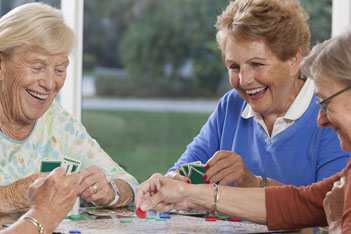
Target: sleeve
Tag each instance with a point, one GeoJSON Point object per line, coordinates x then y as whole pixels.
{"type": "Point", "coordinates": [207, 142]}
{"type": "Point", "coordinates": [289, 207]}
{"type": "Point", "coordinates": [84, 148]}
{"type": "Point", "coordinates": [331, 158]}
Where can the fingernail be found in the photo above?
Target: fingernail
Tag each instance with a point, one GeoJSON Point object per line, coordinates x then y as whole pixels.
{"type": "Point", "coordinates": [188, 181]}
{"type": "Point", "coordinates": [207, 167]}
{"type": "Point", "coordinates": [207, 182]}
{"type": "Point", "coordinates": [204, 177]}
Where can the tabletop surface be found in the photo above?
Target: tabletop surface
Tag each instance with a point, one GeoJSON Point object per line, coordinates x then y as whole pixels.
{"type": "Point", "coordinates": [125, 221]}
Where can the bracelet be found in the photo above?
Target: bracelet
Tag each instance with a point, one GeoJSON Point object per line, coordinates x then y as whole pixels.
{"type": "Point", "coordinates": [36, 223]}
{"type": "Point", "coordinates": [264, 182]}
{"type": "Point", "coordinates": [117, 193]}
{"type": "Point", "coordinates": [216, 198]}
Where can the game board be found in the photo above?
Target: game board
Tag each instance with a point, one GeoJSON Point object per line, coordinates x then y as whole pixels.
{"type": "Point", "coordinates": [176, 224]}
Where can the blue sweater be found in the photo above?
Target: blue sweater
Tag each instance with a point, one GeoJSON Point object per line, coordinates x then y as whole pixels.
{"type": "Point", "coordinates": [300, 155]}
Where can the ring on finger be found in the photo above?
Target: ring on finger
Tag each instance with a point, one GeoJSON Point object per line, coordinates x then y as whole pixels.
{"type": "Point", "coordinates": [95, 188]}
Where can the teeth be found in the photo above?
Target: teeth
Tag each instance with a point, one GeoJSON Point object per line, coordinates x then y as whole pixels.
{"type": "Point", "coordinates": [253, 91]}
{"type": "Point", "coordinates": [38, 95]}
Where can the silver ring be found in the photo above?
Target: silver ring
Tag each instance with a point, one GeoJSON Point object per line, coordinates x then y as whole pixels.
{"type": "Point", "coordinates": [95, 188]}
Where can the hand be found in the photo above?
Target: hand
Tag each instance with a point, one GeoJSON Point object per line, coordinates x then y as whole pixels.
{"type": "Point", "coordinates": [228, 167]}
{"type": "Point", "coordinates": [94, 176]}
{"type": "Point", "coordinates": [161, 194]}
{"type": "Point", "coordinates": [176, 176]}
{"type": "Point", "coordinates": [333, 203]}
{"type": "Point", "coordinates": [54, 196]}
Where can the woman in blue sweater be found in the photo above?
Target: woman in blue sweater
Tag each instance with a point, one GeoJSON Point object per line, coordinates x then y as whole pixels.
{"type": "Point", "coordinates": [264, 131]}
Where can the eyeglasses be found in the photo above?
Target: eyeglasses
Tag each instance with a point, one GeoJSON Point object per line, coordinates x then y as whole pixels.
{"type": "Point", "coordinates": [321, 104]}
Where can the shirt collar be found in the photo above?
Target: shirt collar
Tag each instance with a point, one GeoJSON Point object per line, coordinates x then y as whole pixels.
{"type": "Point", "coordinates": [296, 109]}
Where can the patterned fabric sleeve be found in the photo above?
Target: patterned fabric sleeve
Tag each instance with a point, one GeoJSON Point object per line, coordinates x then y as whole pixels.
{"type": "Point", "coordinates": [80, 145]}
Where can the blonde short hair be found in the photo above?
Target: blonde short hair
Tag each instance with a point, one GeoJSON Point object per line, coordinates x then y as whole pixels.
{"type": "Point", "coordinates": [38, 27]}
{"type": "Point", "coordinates": [281, 24]}
{"type": "Point", "coordinates": [332, 58]}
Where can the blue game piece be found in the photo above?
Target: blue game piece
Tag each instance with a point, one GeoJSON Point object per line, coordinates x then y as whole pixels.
{"type": "Point", "coordinates": [74, 232]}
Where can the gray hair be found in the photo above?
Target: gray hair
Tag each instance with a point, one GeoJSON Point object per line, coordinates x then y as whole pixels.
{"type": "Point", "coordinates": [332, 58]}
{"type": "Point", "coordinates": [37, 27]}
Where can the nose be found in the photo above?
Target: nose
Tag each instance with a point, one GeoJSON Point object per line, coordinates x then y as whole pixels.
{"type": "Point", "coordinates": [47, 80]}
{"type": "Point", "coordinates": [245, 77]}
{"type": "Point", "coordinates": [322, 120]}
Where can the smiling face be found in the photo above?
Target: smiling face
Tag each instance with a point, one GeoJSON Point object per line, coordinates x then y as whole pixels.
{"type": "Point", "coordinates": [268, 84]}
{"type": "Point", "coordinates": [30, 83]}
{"type": "Point", "coordinates": [338, 114]}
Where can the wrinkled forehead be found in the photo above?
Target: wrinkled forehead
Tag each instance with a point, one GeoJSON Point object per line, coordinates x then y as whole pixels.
{"type": "Point", "coordinates": [26, 55]}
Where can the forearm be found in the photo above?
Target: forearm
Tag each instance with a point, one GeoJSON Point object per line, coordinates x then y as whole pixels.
{"type": "Point", "coordinates": [26, 227]}
{"type": "Point", "coordinates": [126, 193]}
{"type": "Point", "coordinates": [245, 203]}
{"type": "Point", "coordinates": [14, 197]}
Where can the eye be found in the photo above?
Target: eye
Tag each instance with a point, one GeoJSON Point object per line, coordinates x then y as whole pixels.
{"type": "Point", "coordinates": [61, 69]}
{"type": "Point", "coordinates": [37, 67]}
{"type": "Point", "coordinates": [256, 64]}
{"type": "Point", "coordinates": [234, 67]}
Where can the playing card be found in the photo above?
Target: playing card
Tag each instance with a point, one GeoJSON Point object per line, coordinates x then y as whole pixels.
{"type": "Point", "coordinates": [70, 164]}
{"type": "Point", "coordinates": [195, 176]}
{"type": "Point", "coordinates": [48, 165]}
{"type": "Point", "coordinates": [199, 168]}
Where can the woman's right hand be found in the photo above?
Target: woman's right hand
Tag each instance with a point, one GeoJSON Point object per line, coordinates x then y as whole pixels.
{"type": "Point", "coordinates": [333, 205]}
{"type": "Point", "coordinates": [161, 194]}
{"type": "Point", "coordinates": [176, 176]}
{"type": "Point", "coordinates": [51, 198]}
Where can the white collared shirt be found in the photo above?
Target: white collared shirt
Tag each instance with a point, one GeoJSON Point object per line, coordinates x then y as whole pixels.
{"type": "Point", "coordinates": [295, 111]}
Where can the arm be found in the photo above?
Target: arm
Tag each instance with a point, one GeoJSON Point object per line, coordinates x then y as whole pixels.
{"type": "Point", "coordinates": [57, 192]}
{"type": "Point", "coordinates": [162, 194]}
{"type": "Point", "coordinates": [96, 165]}
{"type": "Point", "coordinates": [293, 207]}
{"type": "Point", "coordinates": [14, 197]}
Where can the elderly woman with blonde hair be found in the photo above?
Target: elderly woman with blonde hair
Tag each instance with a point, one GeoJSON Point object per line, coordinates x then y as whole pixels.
{"type": "Point", "coordinates": [34, 47]}
{"type": "Point", "coordinates": [327, 202]}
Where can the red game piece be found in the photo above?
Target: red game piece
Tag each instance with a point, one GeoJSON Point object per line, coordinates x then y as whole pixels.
{"type": "Point", "coordinates": [233, 219]}
{"type": "Point", "coordinates": [211, 219]}
{"type": "Point", "coordinates": [141, 214]}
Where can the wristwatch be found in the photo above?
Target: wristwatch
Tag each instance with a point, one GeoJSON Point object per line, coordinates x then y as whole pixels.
{"type": "Point", "coordinates": [117, 194]}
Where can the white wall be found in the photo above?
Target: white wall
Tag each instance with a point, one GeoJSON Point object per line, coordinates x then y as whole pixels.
{"type": "Point", "coordinates": [70, 95]}
{"type": "Point", "coordinates": [341, 16]}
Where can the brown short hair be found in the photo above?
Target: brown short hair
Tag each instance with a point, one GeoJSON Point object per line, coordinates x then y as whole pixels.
{"type": "Point", "coordinates": [281, 24]}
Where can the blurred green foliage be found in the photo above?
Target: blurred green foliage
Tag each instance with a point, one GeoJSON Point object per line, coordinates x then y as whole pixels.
{"type": "Point", "coordinates": [167, 47]}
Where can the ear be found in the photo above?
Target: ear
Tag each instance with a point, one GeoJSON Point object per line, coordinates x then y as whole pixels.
{"type": "Point", "coordinates": [2, 66]}
{"type": "Point", "coordinates": [294, 63]}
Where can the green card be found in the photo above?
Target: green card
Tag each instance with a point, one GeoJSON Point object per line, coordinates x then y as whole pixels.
{"type": "Point", "coordinates": [49, 165]}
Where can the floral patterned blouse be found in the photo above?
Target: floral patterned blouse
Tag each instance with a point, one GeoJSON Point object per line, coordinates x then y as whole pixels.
{"type": "Point", "coordinates": [55, 134]}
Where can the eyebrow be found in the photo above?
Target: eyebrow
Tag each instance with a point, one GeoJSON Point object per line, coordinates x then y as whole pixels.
{"type": "Point", "coordinates": [249, 60]}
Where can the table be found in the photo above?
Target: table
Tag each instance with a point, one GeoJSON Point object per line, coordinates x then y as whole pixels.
{"type": "Point", "coordinates": [124, 220]}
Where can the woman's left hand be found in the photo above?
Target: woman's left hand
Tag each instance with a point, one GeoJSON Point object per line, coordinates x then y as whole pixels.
{"type": "Point", "coordinates": [228, 167]}
{"type": "Point", "coordinates": [94, 186]}
{"type": "Point", "coordinates": [333, 204]}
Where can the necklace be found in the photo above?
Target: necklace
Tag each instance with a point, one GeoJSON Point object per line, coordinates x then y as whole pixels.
{"type": "Point", "coordinates": [2, 130]}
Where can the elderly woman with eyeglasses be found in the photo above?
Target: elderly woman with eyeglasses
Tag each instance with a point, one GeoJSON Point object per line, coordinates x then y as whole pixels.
{"type": "Point", "coordinates": [283, 207]}
{"type": "Point", "coordinates": [34, 47]}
